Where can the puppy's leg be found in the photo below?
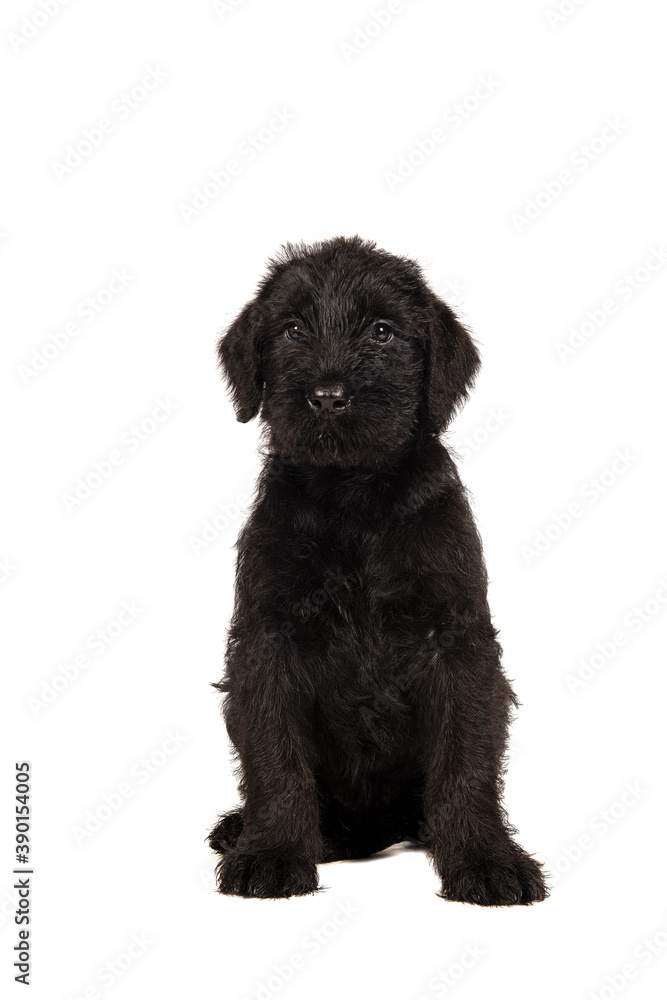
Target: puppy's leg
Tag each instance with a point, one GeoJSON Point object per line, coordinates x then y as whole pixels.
{"type": "Point", "coordinates": [467, 831]}
{"type": "Point", "coordinates": [270, 851]}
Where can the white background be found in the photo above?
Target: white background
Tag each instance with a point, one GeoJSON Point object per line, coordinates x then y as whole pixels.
{"type": "Point", "coordinates": [586, 775]}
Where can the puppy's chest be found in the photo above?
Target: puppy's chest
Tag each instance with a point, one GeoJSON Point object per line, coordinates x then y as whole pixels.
{"type": "Point", "coordinates": [352, 608]}
{"type": "Point", "coordinates": [364, 679]}
{"type": "Point", "coordinates": [344, 581]}
{"type": "Point", "coordinates": [356, 620]}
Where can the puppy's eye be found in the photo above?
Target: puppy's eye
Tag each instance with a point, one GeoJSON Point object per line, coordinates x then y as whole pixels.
{"type": "Point", "coordinates": [294, 331]}
{"type": "Point", "coordinates": [382, 333]}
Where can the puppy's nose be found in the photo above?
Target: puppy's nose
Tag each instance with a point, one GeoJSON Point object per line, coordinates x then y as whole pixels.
{"type": "Point", "coordinates": [332, 399]}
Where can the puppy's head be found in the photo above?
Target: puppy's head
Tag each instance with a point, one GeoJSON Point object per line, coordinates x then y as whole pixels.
{"type": "Point", "coordinates": [347, 355]}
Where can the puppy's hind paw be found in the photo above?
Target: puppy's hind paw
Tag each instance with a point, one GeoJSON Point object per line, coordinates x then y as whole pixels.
{"type": "Point", "coordinates": [266, 875]}
{"type": "Point", "coordinates": [225, 834]}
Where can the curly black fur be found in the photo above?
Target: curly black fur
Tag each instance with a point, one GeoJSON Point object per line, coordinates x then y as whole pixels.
{"type": "Point", "coordinates": [364, 693]}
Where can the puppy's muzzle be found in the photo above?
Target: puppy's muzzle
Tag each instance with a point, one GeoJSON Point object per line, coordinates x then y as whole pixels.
{"type": "Point", "coordinates": [331, 399]}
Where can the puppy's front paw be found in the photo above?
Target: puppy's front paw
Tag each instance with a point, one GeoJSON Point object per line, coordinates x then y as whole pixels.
{"type": "Point", "coordinates": [266, 875]}
{"type": "Point", "coordinates": [511, 881]}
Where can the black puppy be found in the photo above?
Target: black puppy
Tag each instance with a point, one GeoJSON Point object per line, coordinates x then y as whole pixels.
{"type": "Point", "coordinates": [364, 692]}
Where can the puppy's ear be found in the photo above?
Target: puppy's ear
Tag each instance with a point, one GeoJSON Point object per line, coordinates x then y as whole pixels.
{"type": "Point", "coordinates": [453, 363]}
{"type": "Point", "coordinates": [239, 351]}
